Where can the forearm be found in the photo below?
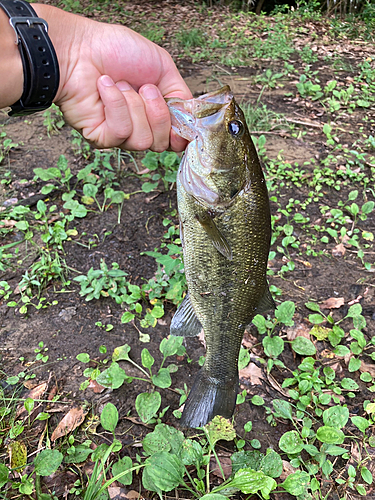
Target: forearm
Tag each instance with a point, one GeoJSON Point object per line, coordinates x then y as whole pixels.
{"type": "Point", "coordinates": [11, 71]}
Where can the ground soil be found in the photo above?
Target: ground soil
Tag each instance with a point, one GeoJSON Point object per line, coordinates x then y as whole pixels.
{"type": "Point", "coordinates": [68, 328]}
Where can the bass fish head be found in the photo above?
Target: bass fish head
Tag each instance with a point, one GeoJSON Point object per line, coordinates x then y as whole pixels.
{"type": "Point", "coordinates": [219, 158]}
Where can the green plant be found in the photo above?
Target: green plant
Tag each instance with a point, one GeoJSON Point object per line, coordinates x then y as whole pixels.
{"type": "Point", "coordinates": [53, 120]}
{"type": "Point", "coordinates": [159, 166]}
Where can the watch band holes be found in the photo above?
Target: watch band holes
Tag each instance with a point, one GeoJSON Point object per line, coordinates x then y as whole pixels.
{"type": "Point", "coordinates": [47, 75]}
{"type": "Point", "coordinates": [45, 87]}
{"type": "Point", "coordinates": [36, 37]}
{"type": "Point", "coordinates": [41, 49]}
{"type": "Point", "coordinates": [45, 62]}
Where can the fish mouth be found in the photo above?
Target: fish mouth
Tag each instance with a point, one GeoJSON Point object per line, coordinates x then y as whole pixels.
{"type": "Point", "coordinates": [207, 110]}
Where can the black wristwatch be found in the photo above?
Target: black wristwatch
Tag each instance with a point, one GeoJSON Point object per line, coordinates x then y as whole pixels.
{"type": "Point", "coordinates": [39, 60]}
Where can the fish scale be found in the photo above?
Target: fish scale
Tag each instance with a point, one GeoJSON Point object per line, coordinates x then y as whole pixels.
{"type": "Point", "coordinates": [225, 223]}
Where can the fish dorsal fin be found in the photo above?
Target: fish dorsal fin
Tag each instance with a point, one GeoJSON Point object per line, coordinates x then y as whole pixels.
{"type": "Point", "coordinates": [185, 322]}
{"type": "Point", "coordinates": [218, 240]}
{"type": "Point", "coordinates": [266, 302]}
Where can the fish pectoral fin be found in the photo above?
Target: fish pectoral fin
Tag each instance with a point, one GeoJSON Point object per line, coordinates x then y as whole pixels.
{"type": "Point", "coordinates": [217, 238]}
{"type": "Point", "coordinates": [266, 302]}
{"type": "Point", "coordinates": [185, 322]}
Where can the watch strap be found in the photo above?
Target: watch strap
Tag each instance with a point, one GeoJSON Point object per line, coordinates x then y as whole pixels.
{"type": "Point", "coordinates": [39, 59]}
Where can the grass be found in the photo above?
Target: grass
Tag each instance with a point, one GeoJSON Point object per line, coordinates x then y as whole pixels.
{"type": "Point", "coordinates": [323, 206]}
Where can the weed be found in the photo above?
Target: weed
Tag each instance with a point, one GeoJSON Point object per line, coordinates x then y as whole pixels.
{"type": "Point", "coordinates": [53, 120]}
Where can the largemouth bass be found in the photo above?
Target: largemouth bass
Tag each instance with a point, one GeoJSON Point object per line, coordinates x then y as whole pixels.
{"type": "Point", "coordinates": [225, 231]}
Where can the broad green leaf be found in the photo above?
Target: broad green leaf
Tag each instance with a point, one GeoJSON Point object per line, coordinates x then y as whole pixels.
{"type": "Point", "coordinates": [335, 451]}
{"type": "Point", "coordinates": [81, 452]}
{"type": "Point", "coordinates": [250, 481]}
{"type": "Point", "coordinates": [284, 313]}
{"type": "Point", "coordinates": [170, 345]}
{"type": "Point", "coordinates": [165, 470]}
{"type": "Point", "coordinates": [336, 416]}
{"type": "Point", "coordinates": [303, 346]}
{"type": "Point", "coordinates": [272, 464]}
{"type": "Point", "coordinates": [354, 364]}
{"type": "Point", "coordinates": [163, 438]}
{"type": "Point", "coordinates": [349, 384]}
{"type": "Point", "coordinates": [47, 462]}
{"type": "Point", "coordinates": [366, 475]}
{"type": "Point", "coordinates": [127, 317]}
{"type": "Point", "coordinates": [354, 310]}
{"type": "Point", "coordinates": [83, 357]}
{"type": "Point", "coordinates": [4, 474]}
{"type": "Point", "coordinates": [147, 405]}
{"type": "Point", "coordinates": [121, 466]}
{"type": "Point", "coordinates": [330, 435]}
{"type": "Point", "coordinates": [313, 306]}
{"type": "Point", "coordinates": [147, 359]}
{"type": "Point", "coordinates": [297, 483]}
{"type": "Point", "coordinates": [113, 377]}
{"type": "Point", "coordinates": [316, 319]}
{"type": "Point", "coordinates": [283, 408]}
{"type": "Point", "coordinates": [273, 346]}
{"type": "Point", "coordinates": [341, 350]}
{"type": "Point", "coordinates": [260, 322]}
{"type": "Point", "coordinates": [257, 400]}
{"type": "Point", "coordinates": [162, 379]}
{"type": "Point", "coordinates": [361, 423]}
{"type": "Point", "coordinates": [121, 353]}
{"type": "Point", "coordinates": [291, 442]}
{"type": "Point", "coordinates": [109, 417]}
{"type": "Point", "coordinates": [243, 358]}
{"type": "Point", "coordinates": [246, 459]}
{"type": "Point", "coordinates": [191, 452]}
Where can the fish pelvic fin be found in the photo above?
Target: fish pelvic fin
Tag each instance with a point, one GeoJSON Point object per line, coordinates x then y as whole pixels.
{"type": "Point", "coordinates": [185, 322]}
{"type": "Point", "coordinates": [217, 238]}
{"type": "Point", "coordinates": [209, 397]}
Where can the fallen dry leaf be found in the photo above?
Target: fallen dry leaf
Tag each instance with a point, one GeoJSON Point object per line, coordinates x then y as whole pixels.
{"type": "Point", "coordinates": [134, 495]}
{"type": "Point", "coordinates": [71, 421]}
{"type": "Point", "coordinates": [253, 374]}
{"type": "Point", "coordinates": [97, 388]}
{"type": "Point", "coordinates": [298, 330]}
{"type": "Point", "coordinates": [287, 470]}
{"type": "Point", "coordinates": [276, 385]}
{"type": "Point", "coordinates": [226, 464]}
{"type": "Point", "coordinates": [116, 493]}
{"type": "Point", "coordinates": [333, 303]}
{"type": "Point", "coordinates": [35, 393]}
{"type": "Point", "coordinates": [367, 367]}
{"type": "Point", "coordinates": [339, 250]}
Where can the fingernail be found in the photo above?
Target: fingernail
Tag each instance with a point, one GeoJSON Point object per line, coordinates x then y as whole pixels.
{"type": "Point", "coordinates": [123, 86]}
{"type": "Point", "coordinates": [107, 81]}
{"type": "Point", "coordinates": [150, 93]}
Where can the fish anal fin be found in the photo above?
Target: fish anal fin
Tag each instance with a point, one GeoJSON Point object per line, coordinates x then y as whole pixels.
{"type": "Point", "coordinates": [185, 322]}
{"type": "Point", "coordinates": [266, 302]}
{"type": "Point", "coordinates": [217, 238]}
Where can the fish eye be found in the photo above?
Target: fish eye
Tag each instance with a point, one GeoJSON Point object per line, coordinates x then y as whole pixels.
{"type": "Point", "coordinates": [235, 128]}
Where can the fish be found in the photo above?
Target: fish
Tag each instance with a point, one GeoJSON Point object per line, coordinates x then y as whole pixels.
{"type": "Point", "coordinates": [225, 230]}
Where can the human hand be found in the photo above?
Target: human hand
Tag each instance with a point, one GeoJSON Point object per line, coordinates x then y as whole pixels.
{"type": "Point", "coordinates": [113, 82]}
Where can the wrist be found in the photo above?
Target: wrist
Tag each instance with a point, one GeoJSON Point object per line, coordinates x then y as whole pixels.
{"type": "Point", "coordinates": [64, 30]}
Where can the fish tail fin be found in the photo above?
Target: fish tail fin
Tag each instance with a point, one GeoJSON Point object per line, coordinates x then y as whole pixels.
{"type": "Point", "coordinates": [209, 397]}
